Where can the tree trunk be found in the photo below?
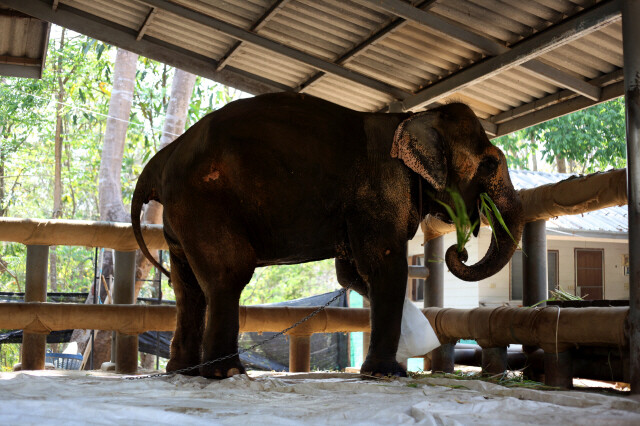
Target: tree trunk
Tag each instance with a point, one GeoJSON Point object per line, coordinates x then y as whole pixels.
{"type": "Point", "coordinates": [562, 164]}
{"type": "Point", "coordinates": [181, 90]}
{"type": "Point", "coordinates": [57, 179]}
{"type": "Point", "coordinates": [109, 187]}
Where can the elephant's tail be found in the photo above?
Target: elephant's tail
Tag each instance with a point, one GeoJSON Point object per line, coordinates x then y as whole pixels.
{"type": "Point", "coordinates": [146, 190]}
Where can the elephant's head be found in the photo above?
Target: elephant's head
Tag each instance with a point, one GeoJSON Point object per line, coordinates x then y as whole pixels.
{"type": "Point", "coordinates": [449, 149]}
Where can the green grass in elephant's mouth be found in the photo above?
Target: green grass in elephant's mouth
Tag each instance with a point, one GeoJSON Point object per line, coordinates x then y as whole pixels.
{"type": "Point", "coordinates": [465, 226]}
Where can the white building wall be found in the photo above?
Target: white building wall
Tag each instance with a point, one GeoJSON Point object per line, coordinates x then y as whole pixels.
{"type": "Point", "coordinates": [495, 290]}
{"type": "Point", "coordinates": [457, 293]}
{"type": "Point", "coordinates": [616, 284]}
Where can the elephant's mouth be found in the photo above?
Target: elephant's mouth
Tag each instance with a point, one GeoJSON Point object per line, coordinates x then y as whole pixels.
{"type": "Point", "coordinates": [474, 217]}
{"type": "Point", "coordinates": [473, 214]}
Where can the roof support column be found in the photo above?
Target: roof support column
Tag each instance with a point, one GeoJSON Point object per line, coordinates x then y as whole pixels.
{"type": "Point", "coordinates": [34, 344]}
{"type": "Point", "coordinates": [534, 264]}
{"type": "Point", "coordinates": [442, 358]}
{"type": "Point", "coordinates": [124, 294]}
{"type": "Point", "coordinates": [434, 284]}
{"type": "Point", "coordinates": [631, 34]}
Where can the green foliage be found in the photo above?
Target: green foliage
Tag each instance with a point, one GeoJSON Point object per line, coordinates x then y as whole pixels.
{"type": "Point", "coordinates": [489, 210]}
{"type": "Point", "coordinates": [462, 222]}
{"type": "Point", "coordinates": [518, 147]}
{"type": "Point", "coordinates": [9, 355]}
{"type": "Point", "coordinates": [28, 144]}
{"type": "Point", "coordinates": [593, 138]}
{"type": "Point", "coordinates": [509, 379]}
{"type": "Point", "coordinates": [460, 219]}
{"type": "Point", "coordinates": [285, 282]}
{"type": "Point", "coordinates": [559, 295]}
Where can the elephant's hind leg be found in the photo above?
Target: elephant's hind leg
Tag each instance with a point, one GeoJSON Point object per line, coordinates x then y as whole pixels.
{"type": "Point", "coordinates": [187, 339]}
{"type": "Point", "coordinates": [223, 262]}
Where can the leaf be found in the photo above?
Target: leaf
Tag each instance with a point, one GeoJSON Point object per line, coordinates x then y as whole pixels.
{"type": "Point", "coordinates": [99, 49]}
{"type": "Point", "coordinates": [485, 198]}
{"type": "Point", "coordinates": [460, 219]}
{"type": "Point", "coordinates": [87, 46]}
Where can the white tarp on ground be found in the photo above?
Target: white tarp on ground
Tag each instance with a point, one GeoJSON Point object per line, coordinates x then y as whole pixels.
{"type": "Point", "coordinates": [53, 397]}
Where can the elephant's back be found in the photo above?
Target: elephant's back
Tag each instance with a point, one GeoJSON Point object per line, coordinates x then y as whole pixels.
{"type": "Point", "coordinates": [278, 149]}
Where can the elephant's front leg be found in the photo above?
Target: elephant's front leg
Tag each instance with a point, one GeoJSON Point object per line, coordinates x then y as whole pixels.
{"type": "Point", "coordinates": [387, 287]}
{"type": "Point", "coordinates": [224, 262]}
{"type": "Point", "coordinates": [384, 267]}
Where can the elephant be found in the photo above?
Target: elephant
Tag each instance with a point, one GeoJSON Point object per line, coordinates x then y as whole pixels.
{"type": "Point", "coordinates": [290, 178]}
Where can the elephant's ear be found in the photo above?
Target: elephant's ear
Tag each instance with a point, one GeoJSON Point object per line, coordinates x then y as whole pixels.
{"type": "Point", "coordinates": [419, 145]}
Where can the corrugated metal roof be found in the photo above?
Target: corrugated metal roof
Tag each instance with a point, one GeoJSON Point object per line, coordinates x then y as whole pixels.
{"type": "Point", "coordinates": [23, 44]}
{"type": "Point", "coordinates": [366, 54]}
{"type": "Point", "coordinates": [610, 220]}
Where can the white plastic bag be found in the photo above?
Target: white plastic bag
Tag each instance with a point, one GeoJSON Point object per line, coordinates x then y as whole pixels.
{"type": "Point", "coordinates": [417, 336]}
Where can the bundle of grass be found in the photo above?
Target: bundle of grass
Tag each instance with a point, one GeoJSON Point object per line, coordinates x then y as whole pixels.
{"type": "Point", "coordinates": [464, 227]}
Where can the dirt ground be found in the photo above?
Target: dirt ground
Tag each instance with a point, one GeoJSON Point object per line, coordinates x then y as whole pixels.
{"type": "Point", "coordinates": [64, 397]}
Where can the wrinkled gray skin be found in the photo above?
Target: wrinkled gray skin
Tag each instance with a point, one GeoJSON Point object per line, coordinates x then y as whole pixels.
{"type": "Point", "coordinates": [285, 178]}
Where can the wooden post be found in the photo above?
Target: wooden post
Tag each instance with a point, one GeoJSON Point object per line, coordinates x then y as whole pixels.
{"type": "Point", "coordinates": [299, 353]}
{"type": "Point", "coordinates": [442, 358]}
{"type": "Point", "coordinates": [631, 52]}
{"type": "Point", "coordinates": [124, 293]}
{"type": "Point", "coordinates": [558, 369]}
{"type": "Point", "coordinates": [494, 360]}
{"type": "Point", "coordinates": [34, 344]}
{"type": "Point", "coordinates": [434, 284]}
{"type": "Point", "coordinates": [534, 244]}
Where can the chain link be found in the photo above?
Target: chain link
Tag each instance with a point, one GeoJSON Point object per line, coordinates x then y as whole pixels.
{"type": "Point", "coordinates": [250, 348]}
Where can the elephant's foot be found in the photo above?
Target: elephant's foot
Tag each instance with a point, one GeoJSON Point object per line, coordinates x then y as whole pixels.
{"type": "Point", "coordinates": [177, 365]}
{"type": "Point", "coordinates": [381, 368]}
{"type": "Point", "coordinates": [223, 369]}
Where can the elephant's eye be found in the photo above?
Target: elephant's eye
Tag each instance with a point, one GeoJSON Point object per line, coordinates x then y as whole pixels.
{"type": "Point", "coordinates": [487, 166]}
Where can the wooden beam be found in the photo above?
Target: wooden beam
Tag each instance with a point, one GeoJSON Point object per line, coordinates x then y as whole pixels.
{"type": "Point", "coordinates": [13, 70]}
{"type": "Point", "coordinates": [22, 60]}
{"type": "Point", "coordinates": [562, 79]}
{"type": "Point", "coordinates": [601, 15]}
{"type": "Point", "coordinates": [86, 233]}
{"type": "Point", "coordinates": [275, 7]}
{"type": "Point", "coordinates": [555, 98]}
{"type": "Point", "coordinates": [395, 25]}
{"type": "Point", "coordinates": [297, 55]}
{"type": "Point", "coordinates": [559, 109]}
{"type": "Point", "coordinates": [121, 36]}
{"type": "Point", "coordinates": [446, 28]}
{"type": "Point", "coordinates": [38, 317]}
{"type": "Point", "coordinates": [147, 21]}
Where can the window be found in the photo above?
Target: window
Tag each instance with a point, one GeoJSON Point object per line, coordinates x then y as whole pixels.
{"type": "Point", "coordinates": [416, 286]}
{"type": "Point", "coordinates": [517, 267]}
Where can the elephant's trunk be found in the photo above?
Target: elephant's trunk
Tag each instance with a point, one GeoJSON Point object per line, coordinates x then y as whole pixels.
{"type": "Point", "coordinates": [502, 247]}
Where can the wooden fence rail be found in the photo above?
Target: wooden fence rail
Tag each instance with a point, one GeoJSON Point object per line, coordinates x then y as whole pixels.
{"type": "Point", "coordinates": [555, 330]}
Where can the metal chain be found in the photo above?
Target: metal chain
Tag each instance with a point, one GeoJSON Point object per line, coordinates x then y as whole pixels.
{"type": "Point", "coordinates": [250, 348]}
